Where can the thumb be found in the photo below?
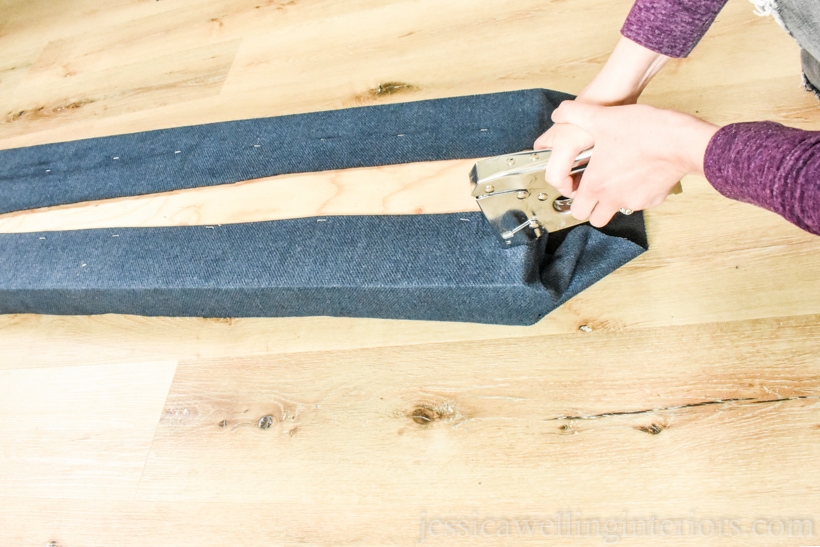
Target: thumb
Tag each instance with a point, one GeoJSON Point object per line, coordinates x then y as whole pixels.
{"type": "Point", "coordinates": [578, 114]}
{"type": "Point", "coordinates": [568, 141]}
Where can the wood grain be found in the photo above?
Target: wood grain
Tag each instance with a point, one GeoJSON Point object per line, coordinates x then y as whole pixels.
{"type": "Point", "coordinates": [686, 429]}
{"type": "Point", "coordinates": [77, 438]}
{"type": "Point", "coordinates": [161, 81]}
{"type": "Point", "coordinates": [430, 187]}
{"type": "Point", "coordinates": [683, 387]}
{"type": "Point", "coordinates": [380, 410]}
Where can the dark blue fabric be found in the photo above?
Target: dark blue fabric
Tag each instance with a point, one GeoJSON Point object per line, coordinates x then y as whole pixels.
{"type": "Point", "coordinates": [438, 267]}
{"type": "Point", "coordinates": [434, 267]}
{"type": "Point", "coordinates": [220, 153]}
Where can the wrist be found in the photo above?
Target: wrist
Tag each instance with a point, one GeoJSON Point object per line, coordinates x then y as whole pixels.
{"type": "Point", "coordinates": [626, 73]}
{"type": "Point", "coordinates": [694, 137]}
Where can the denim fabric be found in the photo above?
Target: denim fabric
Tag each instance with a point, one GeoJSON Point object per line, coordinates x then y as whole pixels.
{"type": "Point", "coordinates": [447, 267]}
{"type": "Point", "coordinates": [433, 267]}
{"type": "Point", "coordinates": [802, 20]}
{"type": "Point", "coordinates": [811, 72]}
{"type": "Point", "coordinates": [220, 153]}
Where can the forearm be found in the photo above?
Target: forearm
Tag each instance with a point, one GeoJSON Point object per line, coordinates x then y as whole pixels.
{"type": "Point", "coordinates": [654, 31]}
{"type": "Point", "coordinates": [769, 165]}
{"type": "Point", "coordinates": [626, 73]}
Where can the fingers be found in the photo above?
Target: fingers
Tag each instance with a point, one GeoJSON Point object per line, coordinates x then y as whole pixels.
{"type": "Point", "coordinates": [567, 142]}
{"type": "Point", "coordinates": [601, 215]}
{"type": "Point", "coordinates": [560, 164]}
{"type": "Point", "coordinates": [583, 204]}
{"type": "Point", "coordinates": [640, 152]}
{"type": "Point", "coordinates": [592, 201]}
{"type": "Point", "coordinates": [579, 114]}
{"type": "Point", "coordinates": [545, 140]}
{"type": "Point", "coordinates": [586, 207]}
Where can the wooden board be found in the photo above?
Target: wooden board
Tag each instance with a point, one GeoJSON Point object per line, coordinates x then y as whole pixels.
{"type": "Point", "coordinates": [688, 400]}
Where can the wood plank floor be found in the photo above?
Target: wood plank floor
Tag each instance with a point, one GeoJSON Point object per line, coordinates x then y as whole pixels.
{"type": "Point", "coordinates": [686, 412]}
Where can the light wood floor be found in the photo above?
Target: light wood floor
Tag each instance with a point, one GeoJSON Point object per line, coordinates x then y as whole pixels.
{"type": "Point", "coordinates": [692, 401]}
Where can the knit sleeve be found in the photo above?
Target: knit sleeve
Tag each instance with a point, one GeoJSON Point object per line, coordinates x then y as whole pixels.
{"type": "Point", "coordinates": [670, 27]}
{"type": "Point", "coordinates": [769, 165]}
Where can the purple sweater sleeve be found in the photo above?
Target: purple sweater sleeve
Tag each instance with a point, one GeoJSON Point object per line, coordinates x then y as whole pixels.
{"type": "Point", "coordinates": [670, 27]}
{"type": "Point", "coordinates": [769, 165]}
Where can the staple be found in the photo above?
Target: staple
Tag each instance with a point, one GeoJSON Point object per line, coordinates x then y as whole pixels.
{"type": "Point", "coordinates": [42, 238]}
{"type": "Point", "coordinates": [116, 157]}
{"type": "Point", "coordinates": [257, 145]}
{"type": "Point", "coordinates": [177, 151]}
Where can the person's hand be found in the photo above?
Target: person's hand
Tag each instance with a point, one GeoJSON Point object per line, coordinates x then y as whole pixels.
{"type": "Point", "coordinates": [566, 142]}
{"type": "Point", "coordinates": [626, 73]}
{"type": "Point", "coordinates": [640, 153]}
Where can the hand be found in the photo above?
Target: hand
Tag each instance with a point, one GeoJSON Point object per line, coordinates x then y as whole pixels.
{"type": "Point", "coordinates": [622, 79]}
{"type": "Point", "coordinates": [566, 142]}
{"type": "Point", "coordinates": [640, 153]}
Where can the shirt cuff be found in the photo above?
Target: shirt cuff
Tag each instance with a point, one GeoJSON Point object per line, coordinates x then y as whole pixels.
{"type": "Point", "coordinates": [768, 165]}
{"type": "Point", "coordinates": [670, 27]}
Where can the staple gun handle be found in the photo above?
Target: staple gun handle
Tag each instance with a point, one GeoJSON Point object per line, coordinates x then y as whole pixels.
{"type": "Point", "coordinates": [521, 163]}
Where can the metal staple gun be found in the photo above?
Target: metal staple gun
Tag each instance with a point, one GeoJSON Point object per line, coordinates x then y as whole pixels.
{"type": "Point", "coordinates": [518, 201]}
